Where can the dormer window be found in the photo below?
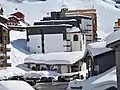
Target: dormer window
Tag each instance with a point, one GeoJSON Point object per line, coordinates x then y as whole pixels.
{"type": "Point", "coordinates": [75, 37]}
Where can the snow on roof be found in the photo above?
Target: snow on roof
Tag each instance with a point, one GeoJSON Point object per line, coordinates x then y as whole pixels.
{"type": "Point", "coordinates": [15, 85]}
{"type": "Point", "coordinates": [113, 37]}
{"type": "Point", "coordinates": [98, 82]}
{"type": "Point", "coordinates": [106, 77]}
{"type": "Point", "coordinates": [56, 58]}
{"type": "Point", "coordinates": [98, 48]}
{"type": "Point", "coordinates": [5, 17]}
{"type": "Point", "coordinates": [74, 29]}
{"type": "Point", "coordinates": [22, 24]}
{"type": "Point", "coordinates": [67, 25]}
{"type": "Point", "coordinates": [57, 20]}
{"type": "Point", "coordinates": [4, 25]}
{"type": "Point", "coordinates": [13, 16]}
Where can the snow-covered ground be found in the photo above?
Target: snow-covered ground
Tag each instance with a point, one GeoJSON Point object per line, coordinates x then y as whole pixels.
{"type": "Point", "coordinates": [17, 54]}
{"type": "Point", "coordinates": [106, 11]}
{"type": "Point", "coordinates": [14, 85]}
{"type": "Point", "coordinates": [18, 47]}
{"type": "Point", "coordinates": [34, 11]}
{"type": "Point", "coordinates": [99, 82]}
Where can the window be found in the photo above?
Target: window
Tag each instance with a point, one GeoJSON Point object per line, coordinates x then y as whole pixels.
{"type": "Point", "coordinates": [75, 37]}
{"type": "Point", "coordinates": [83, 37]}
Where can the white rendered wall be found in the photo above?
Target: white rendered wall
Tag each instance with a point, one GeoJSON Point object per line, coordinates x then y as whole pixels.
{"type": "Point", "coordinates": [34, 43]}
{"type": "Point", "coordinates": [76, 44]}
{"type": "Point", "coordinates": [53, 43]}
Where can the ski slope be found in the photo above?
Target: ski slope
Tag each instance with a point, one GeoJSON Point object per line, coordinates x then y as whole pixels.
{"type": "Point", "coordinates": [34, 11]}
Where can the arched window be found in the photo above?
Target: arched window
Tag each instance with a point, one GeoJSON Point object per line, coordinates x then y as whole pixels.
{"type": "Point", "coordinates": [75, 37]}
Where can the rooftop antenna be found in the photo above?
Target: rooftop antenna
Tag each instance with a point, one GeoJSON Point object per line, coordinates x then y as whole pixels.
{"type": "Point", "coordinates": [63, 5]}
{"type": "Point", "coordinates": [62, 2]}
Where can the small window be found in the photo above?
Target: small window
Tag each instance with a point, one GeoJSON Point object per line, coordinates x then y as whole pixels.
{"type": "Point", "coordinates": [75, 37]}
{"type": "Point", "coordinates": [83, 37]}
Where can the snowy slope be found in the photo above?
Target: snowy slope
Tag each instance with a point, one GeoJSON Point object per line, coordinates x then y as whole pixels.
{"type": "Point", "coordinates": [107, 13]}
{"type": "Point", "coordinates": [18, 47]}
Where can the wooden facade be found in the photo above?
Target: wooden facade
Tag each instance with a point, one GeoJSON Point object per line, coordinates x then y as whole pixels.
{"type": "Point", "coordinates": [19, 15]}
{"type": "Point", "coordinates": [4, 40]}
{"type": "Point", "coordinates": [117, 25]}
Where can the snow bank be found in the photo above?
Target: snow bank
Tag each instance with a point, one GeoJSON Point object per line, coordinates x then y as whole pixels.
{"type": "Point", "coordinates": [74, 29]}
{"type": "Point", "coordinates": [99, 82]}
{"type": "Point", "coordinates": [113, 37]}
{"type": "Point", "coordinates": [38, 74]}
{"type": "Point", "coordinates": [22, 24]}
{"type": "Point", "coordinates": [14, 85]}
{"type": "Point", "coordinates": [11, 71]}
{"type": "Point", "coordinates": [18, 47]}
{"type": "Point", "coordinates": [98, 48]}
{"type": "Point", "coordinates": [111, 76]}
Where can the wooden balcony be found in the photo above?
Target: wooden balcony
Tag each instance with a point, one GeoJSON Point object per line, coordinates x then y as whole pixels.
{"type": "Point", "coordinates": [3, 66]}
{"type": "Point", "coordinates": [4, 57]}
{"type": "Point", "coordinates": [5, 50]}
{"type": "Point", "coordinates": [4, 41]}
